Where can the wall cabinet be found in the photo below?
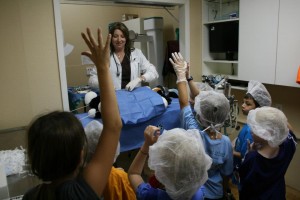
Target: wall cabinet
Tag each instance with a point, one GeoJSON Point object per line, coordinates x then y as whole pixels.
{"type": "Point", "coordinates": [288, 43]}
{"type": "Point", "coordinates": [215, 12]}
{"type": "Point", "coordinates": [258, 40]}
{"type": "Point", "coordinates": [269, 41]}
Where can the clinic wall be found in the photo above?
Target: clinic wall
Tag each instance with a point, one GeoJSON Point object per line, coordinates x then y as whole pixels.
{"type": "Point", "coordinates": [75, 19]}
{"type": "Point", "coordinates": [29, 77]}
{"type": "Point", "coordinates": [196, 42]}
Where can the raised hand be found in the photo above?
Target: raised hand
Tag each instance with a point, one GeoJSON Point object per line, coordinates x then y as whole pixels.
{"type": "Point", "coordinates": [99, 52]}
{"type": "Point", "coordinates": [96, 171]}
{"type": "Point", "coordinates": [179, 65]}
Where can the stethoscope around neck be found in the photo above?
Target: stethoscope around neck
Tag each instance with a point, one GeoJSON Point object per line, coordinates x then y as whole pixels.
{"type": "Point", "coordinates": [117, 65]}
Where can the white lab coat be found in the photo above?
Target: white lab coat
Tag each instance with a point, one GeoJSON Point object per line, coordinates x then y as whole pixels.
{"type": "Point", "coordinates": [139, 66]}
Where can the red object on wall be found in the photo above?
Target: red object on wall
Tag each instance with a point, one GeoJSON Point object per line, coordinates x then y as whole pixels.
{"type": "Point", "coordinates": [298, 76]}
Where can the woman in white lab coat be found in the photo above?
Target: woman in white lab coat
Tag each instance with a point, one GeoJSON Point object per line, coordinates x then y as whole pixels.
{"type": "Point", "coordinates": [128, 66]}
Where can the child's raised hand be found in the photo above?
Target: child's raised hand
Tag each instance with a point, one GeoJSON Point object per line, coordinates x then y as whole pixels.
{"type": "Point", "coordinates": [151, 134]}
{"type": "Point", "coordinates": [99, 52]}
{"type": "Point", "coordinates": [179, 65]}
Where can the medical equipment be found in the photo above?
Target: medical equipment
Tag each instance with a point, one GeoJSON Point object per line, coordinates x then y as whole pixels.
{"type": "Point", "coordinates": [153, 29]}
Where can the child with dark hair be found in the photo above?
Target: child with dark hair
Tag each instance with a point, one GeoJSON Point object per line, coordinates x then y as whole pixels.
{"type": "Point", "coordinates": [118, 185]}
{"type": "Point", "coordinates": [57, 144]}
{"type": "Point", "coordinates": [257, 96]}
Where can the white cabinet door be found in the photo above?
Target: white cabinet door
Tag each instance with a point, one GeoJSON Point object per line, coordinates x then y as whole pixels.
{"type": "Point", "coordinates": [288, 53]}
{"type": "Point", "coordinates": [258, 40]}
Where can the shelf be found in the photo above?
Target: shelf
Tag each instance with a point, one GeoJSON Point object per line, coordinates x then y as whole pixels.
{"type": "Point", "coordinates": [224, 67]}
{"type": "Point", "coordinates": [239, 88]}
{"type": "Point", "coordinates": [218, 13]}
{"type": "Point", "coordinates": [221, 21]}
{"type": "Point", "coordinates": [220, 10]}
{"type": "Point", "coordinates": [222, 61]}
{"type": "Point", "coordinates": [223, 1]}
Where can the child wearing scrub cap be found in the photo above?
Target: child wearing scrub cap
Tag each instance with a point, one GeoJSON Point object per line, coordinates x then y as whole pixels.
{"type": "Point", "coordinates": [259, 94]}
{"type": "Point", "coordinates": [264, 166]}
{"type": "Point", "coordinates": [256, 96]}
{"type": "Point", "coordinates": [118, 186]}
{"type": "Point", "coordinates": [178, 160]}
{"type": "Point", "coordinates": [212, 109]}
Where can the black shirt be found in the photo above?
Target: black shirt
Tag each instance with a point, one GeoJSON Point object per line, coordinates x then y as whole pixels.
{"type": "Point", "coordinates": [126, 71]}
{"type": "Point", "coordinates": [72, 189]}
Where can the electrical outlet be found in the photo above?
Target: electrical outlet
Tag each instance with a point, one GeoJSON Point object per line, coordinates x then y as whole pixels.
{"type": "Point", "coordinates": [89, 71]}
{"type": "Point", "coordinates": [278, 106]}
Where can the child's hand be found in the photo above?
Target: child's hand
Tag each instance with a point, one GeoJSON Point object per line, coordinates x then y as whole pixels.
{"type": "Point", "coordinates": [248, 145]}
{"type": "Point", "coordinates": [233, 143]}
{"type": "Point", "coordinates": [179, 65]}
{"type": "Point", "coordinates": [99, 53]}
{"type": "Point", "coordinates": [151, 134]}
{"type": "Point", "coordinates": [252, 146]}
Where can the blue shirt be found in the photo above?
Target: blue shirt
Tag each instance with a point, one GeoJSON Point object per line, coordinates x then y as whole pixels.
{"type": "Point", "coordinates": [146, 192]}
{"type": "Point", "coordinates": [219, 150]}
{"type": "Point", "coordinates": [263, 178]}
{"type": "Point", "coordinates": [241, 145]}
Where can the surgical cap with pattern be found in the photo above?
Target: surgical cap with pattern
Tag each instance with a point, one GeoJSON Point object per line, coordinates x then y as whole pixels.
{"type": "Point", "coordinates": [212, 108]}
{"type": "Point", "coordinates": [269, 124]}
{"type": "Point", "coordinates": [180, 162]}
{"type": "Point", "coordinates": [259, 93]}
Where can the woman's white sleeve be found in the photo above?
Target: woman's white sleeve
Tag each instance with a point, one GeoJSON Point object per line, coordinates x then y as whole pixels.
{"type": "Point", "coordinates": [150, 72]}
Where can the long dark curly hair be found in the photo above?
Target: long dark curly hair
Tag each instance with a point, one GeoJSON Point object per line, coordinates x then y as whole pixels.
{"type": "Point", "coordinates": [125, 31]}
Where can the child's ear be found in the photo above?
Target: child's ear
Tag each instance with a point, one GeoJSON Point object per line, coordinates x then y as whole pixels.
{"type": "Point", "coordinates": [82, 157]}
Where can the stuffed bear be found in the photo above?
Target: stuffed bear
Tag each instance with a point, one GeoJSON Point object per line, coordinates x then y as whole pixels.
{"type": "Point", "coordinates": [164, 92]}
{"type": "Point", "coordinates": [92, 99]}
